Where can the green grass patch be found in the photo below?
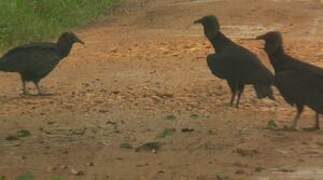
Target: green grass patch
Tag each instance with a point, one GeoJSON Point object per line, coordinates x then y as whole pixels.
{"type": "Point", "coordinates": [195, 116]}
{"type": "Point", "coordinates": [171, 117]}
{"type": "Point", "coordinates": [126, 146]}
{"type": "Point", "coordinates": [167, 132]}
{"type": "Point", "coordinates": [38, 20]}
{"type": "Point", "coordinates": [271, 124]}
{"type": "Point", "coordinates": [26, 176]}
{"type": "Point", "coordinates": [22, 133]}
{"type": "Point", "coordinates": [56, 178]}
{"type": "Point", "coordinates": [149, 147]}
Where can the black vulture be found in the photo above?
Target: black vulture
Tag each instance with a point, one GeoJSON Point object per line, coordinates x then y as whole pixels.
{"type": "Point", "coordinates": [35, 61]}
{"type": "Point", "coordinates": [300, 83]}
{"type": "Point", "coordinates": [235, 63]}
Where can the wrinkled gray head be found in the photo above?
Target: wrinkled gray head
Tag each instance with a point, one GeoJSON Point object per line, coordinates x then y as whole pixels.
{"type": "Point", "coordinates": [273, 41]}
{"type": "Point", "coordinates": [211, 25]}
{"type": "Point", "coordinates": [69, 38]}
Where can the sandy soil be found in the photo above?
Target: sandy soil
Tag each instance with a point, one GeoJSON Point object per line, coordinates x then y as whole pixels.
{"type": "Point", "coordinates": [142, 77]}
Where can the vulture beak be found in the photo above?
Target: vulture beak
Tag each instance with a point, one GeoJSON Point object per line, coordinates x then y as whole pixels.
{"type": "Point", "coordinates": [80, 41]}
{"type": "Point", "coordinates": [77, 39]}
{"type": "Point", "coordinates": [247, 39]}
{"type": "Point", "coordinates": [261, 37]}
{"type": "Point", "coordinates": [199, 21]}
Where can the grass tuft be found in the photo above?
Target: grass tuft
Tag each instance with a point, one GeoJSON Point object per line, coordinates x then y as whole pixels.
{"type": "Point", "coordinates": [271, 124]}
{"type": "Point", "coordinates": [37, 20]}
{"type": "Point", "coordinates": [167, 132]}
{"type": "Point", "coordinates": [26, 176]}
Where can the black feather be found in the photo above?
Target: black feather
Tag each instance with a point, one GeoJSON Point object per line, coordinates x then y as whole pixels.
{"type": "Point", "coordinates": [235, 63]}
{"type": "Point", "coordinates": [300, 83]}
{"type": "Point", "coordinates": [36, 60]}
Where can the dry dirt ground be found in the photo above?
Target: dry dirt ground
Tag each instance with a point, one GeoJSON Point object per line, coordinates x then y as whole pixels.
{"type": "Point", "coordinates": [142, 77]}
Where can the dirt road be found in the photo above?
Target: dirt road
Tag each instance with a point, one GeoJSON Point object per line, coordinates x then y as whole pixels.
{"type": "Point", "coordinates": [142, 77]}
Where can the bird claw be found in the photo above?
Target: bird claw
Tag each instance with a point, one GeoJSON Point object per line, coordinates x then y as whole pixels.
{"type": "Point", "coordinates": [315, 128]}
{"type": "Point", "coordinates": [25, 94]}
{"type": "Point", "coordinates": [45, 94]}
{"type": "Point", "coordinates": [272, 98]}
{"type": "Point", "coordinates": [292, 128]}
{"type": "Point", "coordinates": [228, 104]}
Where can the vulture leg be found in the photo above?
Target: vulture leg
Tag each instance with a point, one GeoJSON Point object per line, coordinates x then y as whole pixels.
{"type": "Point", "coordinates": [233, 92]}
{"type": "Point", "coordinates": [24, 89]}
{"type": "Point", "coordinates": [300, 109]}
{"type": "Point", "coordinates": [40, 93]}
{"type": "Point", "coordinates": [241, 89]}
{"type": "Point", "coordinates": [317, 121]}
{"type": "Point", "coordinates": [233, 96]}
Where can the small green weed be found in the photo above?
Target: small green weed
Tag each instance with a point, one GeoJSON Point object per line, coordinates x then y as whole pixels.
{"type": "Point", "coordinates": [167, 132]}
{"type": "Point", "coordinates": [26, 176]}
{"type": "Point", "coordinates": [272, 124]}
